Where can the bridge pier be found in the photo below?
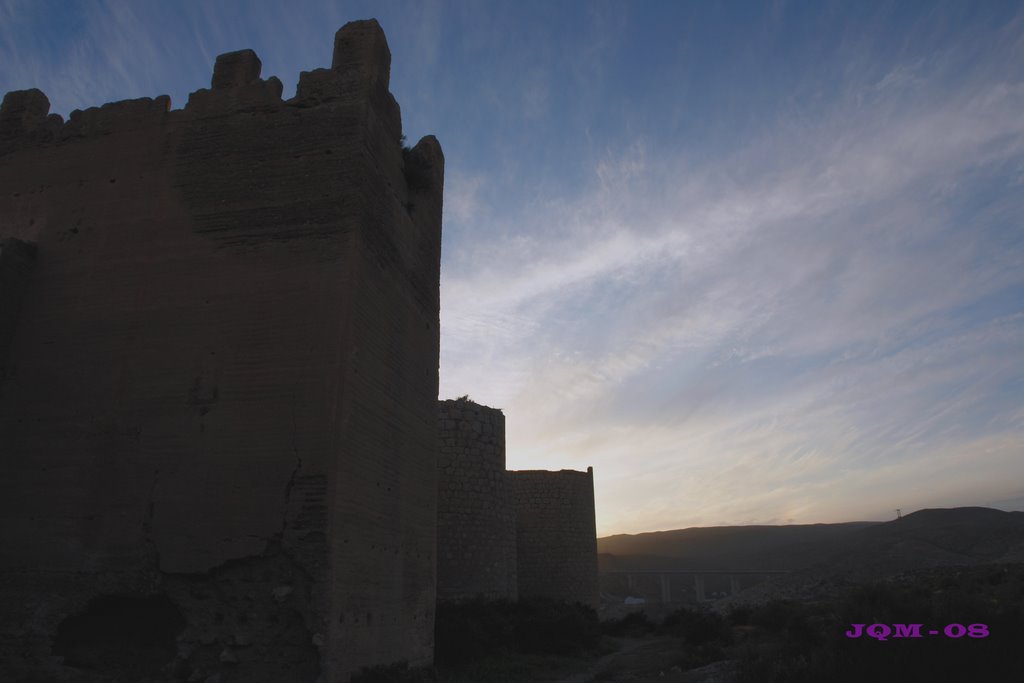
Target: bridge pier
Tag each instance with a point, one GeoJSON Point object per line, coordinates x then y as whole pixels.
{"type": "Point", "coordinates": [666, 588]}
{"type": "Point", "coordinates": [734, 585]}
{"type": "Point", "coordinates": [698, 586]}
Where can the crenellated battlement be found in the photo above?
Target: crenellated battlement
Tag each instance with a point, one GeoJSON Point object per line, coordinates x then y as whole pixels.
{"type": "Point", "coordinates": [359, 74]}
{"type": "Point", "coordinates": [269, 162]}
{"type": "Point", "coordinates": [25, 120]}
{"type": "Point", "coordinates": [115, 117]}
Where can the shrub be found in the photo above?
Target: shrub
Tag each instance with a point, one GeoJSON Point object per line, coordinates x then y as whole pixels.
{"type": "Point", "coordinates": [395, 673]}
{"type": "Point", "coordinates": [478, 629]}
{"type": "Point", "coordinates": [634, 624]}
{"type": "Point", "coordinates": [544, 626]}
{"type": "Point", "coordinates": [696, 626]}
{"type": "Point", "coordinates": [472, 630]}
{"type": "Point", "coordinates": [804, 643]}
{"type": "Point", "coordinates": [701, 655]}
{"type": "Point", "coordinates": [740, 615]}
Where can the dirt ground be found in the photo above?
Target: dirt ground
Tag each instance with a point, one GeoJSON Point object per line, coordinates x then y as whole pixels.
{"type": "Point", "coordinates": [649, 660]}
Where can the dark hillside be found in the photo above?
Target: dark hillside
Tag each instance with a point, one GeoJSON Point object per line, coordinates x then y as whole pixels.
{"type": "Point", "coordinates": [926, 538]}
{"type": "Point", "coordinates": [730, 547]}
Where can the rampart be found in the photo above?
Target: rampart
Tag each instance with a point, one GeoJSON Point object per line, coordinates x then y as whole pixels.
{"type": "Point", "coordinates": [508, 534]}
{"type": "Point", "coordinates": [219, 339]}
{"type": "Point", "coordinates": [556, 536]}
{"type": "Point", "coordinates": [475, 520]}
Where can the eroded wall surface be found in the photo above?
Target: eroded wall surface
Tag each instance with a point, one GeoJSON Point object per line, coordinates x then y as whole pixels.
{"type": "Point", "coordinates": [475, 520]}
{"type": "Point", "coordinates": [219, 404]}
{"type": "Point", "coordinates": [556, 534]}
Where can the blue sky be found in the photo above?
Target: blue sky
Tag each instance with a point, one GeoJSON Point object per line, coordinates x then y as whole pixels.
{"type": "Point", "coordinates": [754, 262]}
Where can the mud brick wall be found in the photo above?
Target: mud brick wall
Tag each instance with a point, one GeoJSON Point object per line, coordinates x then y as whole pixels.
{"type": "Point", "coordinates": [556, 534]}
{"type": "Point", "coordinates": [476, 543]}
{"type": "Point", "coordinates": [218, 425]}
{"type": "Point", "coordinates": [17, 260]}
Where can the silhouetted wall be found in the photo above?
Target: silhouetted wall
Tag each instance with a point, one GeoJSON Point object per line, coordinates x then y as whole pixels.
{"type": "Point", "coordinates": [220, 398]}
{"type": "Point", "coordinates": [556, 535]}
{"type": "Point", "coordinates": [476, 543]}
{"type": "Point", "coordinates": [17, 259]}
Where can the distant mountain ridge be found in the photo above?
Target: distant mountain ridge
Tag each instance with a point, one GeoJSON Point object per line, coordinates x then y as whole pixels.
{"type": "Point", "coordinates": [926, 538]}
{"type": "Point", "coordinates": [726, 547]}
{"type": "Point", "coordinates": [929, 538]}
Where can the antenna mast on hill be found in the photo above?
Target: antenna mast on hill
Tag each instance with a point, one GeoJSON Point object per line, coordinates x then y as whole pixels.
{"type": "Point", "coordinates": [898, 515]}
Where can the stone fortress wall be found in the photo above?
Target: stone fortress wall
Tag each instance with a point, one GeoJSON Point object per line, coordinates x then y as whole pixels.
{"type": "Point", "coordinates": [17, 260]}
{"type": "Point", "coordinates": [505, 534]}
{"type": "Point", "coordinates": [219, 337]}
{"type": "Point", "coordinates": [475, 519]}
{"type": "Point", "coordinates": [218, 398]}
{"type": "Point", "coordinates": [556, 536]}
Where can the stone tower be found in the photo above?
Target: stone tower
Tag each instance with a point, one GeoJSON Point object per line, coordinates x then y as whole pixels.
{"type": "Point", "coordinates": [556, 539]}
{"type": "Point", "coordinates": [476, 525]}
{"type": "Point", "coordinates": [218, 379]}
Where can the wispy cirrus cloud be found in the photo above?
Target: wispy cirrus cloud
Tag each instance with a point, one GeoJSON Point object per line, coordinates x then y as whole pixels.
{"type": "Point", "coordinates": [771, 326]}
